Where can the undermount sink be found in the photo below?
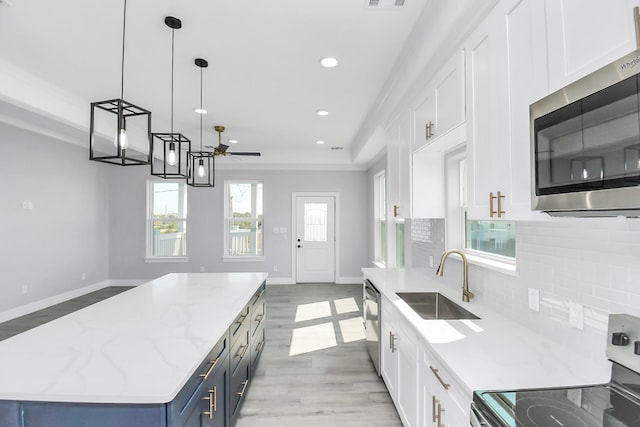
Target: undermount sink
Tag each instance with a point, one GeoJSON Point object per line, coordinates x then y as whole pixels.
{"type": "Point", "coordinates": [434, 305]}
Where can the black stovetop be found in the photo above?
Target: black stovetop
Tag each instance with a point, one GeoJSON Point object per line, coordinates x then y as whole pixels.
{"type": "Point", "coordinates": [592, 406]}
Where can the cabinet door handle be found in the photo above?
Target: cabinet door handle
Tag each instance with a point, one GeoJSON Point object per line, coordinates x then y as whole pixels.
{"type": "Point", "coordinates": [213, 402]}
{"type": "Point", "coordinates": [500, 211]}
{"type": "Point", "coordinates": [213, 365]}
{"type": "Point", "coordinates": [491, 199]}
{"type": "Point", "coordinates": [392, 342]}
{"type": "Point", "coordinates": [244, 387]}
{"type": "Point", "coordinates": [244, 348]}
{"type": "Point", "coordinates": [435, 372]}
{"type": "Point", "coordinates": [440, 411]}
{"type": "Point", "coordinates": [434, 404]}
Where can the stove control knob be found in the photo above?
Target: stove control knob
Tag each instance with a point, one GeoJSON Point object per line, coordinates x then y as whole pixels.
{"type": "Point", "coordinates": [620, 339]}
{"type": "Point", "coordinates": [636, 347]}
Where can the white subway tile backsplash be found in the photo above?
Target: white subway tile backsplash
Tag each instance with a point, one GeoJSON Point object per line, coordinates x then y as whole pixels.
{"type": "Point", "coordinates": [590, 261]}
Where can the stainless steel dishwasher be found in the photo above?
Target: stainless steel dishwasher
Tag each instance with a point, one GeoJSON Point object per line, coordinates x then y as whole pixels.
{"type": "Point", "coordinates": [371, 315]}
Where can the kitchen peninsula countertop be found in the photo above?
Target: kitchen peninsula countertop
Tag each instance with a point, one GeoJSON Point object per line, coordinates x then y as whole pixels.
{"type": "Point", "coordinates": [140, 346]}
{"type": "Point", "coordinates": [491, 353]}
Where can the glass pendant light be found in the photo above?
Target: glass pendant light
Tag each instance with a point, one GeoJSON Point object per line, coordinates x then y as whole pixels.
{"type": "Point", "coordinates": [167, 160]}
{"type": "Point", "coordinates": [123, 150]}
{"type": "Point", "coordinates": [201, 163]}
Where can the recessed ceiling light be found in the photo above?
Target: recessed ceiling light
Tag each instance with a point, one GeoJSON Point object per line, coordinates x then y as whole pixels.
{"type": "Point", "coordinates": [328, 62]}
{"type": "Point", "coordinates": [233, 141]}
{"type": "Point", "coordinates": [319, 142]}
{"type": "Point", "coordinates": [322, 112]}
{"type": "Point", "coordinates": [200, 110]}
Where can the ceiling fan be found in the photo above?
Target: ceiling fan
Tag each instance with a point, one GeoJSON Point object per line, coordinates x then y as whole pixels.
{"type": "Point", "coordinates": [221, 149]}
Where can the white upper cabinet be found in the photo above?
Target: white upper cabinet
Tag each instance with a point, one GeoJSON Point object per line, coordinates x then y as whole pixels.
{"type": "Point", "coordinates": [583, 36]}
{"type": "Point", "coordinates": [441, 108]}
{"type": "Point", "coordinates": [506, 71]}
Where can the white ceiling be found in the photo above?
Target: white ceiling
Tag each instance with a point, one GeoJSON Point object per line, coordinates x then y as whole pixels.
{"type": "Point", "coordinates": [264, 81]}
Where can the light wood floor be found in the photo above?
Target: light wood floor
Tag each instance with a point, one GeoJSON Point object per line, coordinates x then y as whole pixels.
{"type": "Point", "coordinates": [316, 371]}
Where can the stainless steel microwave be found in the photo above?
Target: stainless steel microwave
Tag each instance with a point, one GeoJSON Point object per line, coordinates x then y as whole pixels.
{"type": "Point", "coordinates": [585, 144]}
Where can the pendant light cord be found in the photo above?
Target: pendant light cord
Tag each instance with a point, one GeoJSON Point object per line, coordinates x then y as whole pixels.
{"type": "Point", "coordinates": [124, 23]}
{"type": "Point", "coordinates": [173, 31]}
{"type": "Point", "coordinates": [201, 109]}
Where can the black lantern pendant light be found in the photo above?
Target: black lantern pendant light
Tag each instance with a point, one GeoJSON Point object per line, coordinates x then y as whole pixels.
{"type": "Point", "coordinates": [170, 148]}
{"type": "Point", "coordinates": [201, 163]}
{"type": "Point", "coordinates": [122, 149]}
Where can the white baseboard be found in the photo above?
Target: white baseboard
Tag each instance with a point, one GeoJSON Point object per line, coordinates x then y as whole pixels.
{"type": "Point", "coordinates": [48, 302]}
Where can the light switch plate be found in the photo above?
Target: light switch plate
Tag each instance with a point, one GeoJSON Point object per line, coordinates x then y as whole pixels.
{"type": "Point", "coordinates": [576, 315]}
{"type": "Point", "coordinates": [534, 299]}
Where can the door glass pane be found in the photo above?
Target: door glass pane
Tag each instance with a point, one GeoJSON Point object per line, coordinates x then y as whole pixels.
{"type": "Point", "coordinates": [315, 222]}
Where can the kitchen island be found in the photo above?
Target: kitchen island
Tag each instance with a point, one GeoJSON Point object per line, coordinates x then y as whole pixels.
{"type": "Point", "coordinates": [138, 358]}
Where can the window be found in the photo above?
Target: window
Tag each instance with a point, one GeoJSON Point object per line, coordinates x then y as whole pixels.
{"type": "Point", "coordinates": [243, 219]}
{"type": "Point", "coordinates": [489, 239]}
{"type": "Point", "coordinates": [167, 220]}
{"type": "Point", "coordinates": [380, 218]}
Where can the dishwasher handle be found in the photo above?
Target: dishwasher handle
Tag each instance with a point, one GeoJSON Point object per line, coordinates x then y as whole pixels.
{"type": "Point", "coordinates": [476, 417]}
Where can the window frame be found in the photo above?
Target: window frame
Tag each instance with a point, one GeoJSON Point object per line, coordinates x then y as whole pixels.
{"type": "Point", "coordinates": [380, 218]}
{"type": "Point", "coordinates": [150, 257]}
{"type": "Point", "coordinates": [228, 217]}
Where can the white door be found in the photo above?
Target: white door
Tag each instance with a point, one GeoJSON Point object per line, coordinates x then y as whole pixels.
{"type": "Point", "coordinates": [315, 239]}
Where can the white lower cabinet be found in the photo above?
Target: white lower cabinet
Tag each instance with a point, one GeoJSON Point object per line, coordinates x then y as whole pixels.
{"type": "Point", "coordinates": [399, 363]}
{"type": "Point", "coordinates": [443, 402]}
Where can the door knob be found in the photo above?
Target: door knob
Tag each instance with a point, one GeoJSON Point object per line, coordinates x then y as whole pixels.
{"type": "Point", "coordinates": [299, 246]}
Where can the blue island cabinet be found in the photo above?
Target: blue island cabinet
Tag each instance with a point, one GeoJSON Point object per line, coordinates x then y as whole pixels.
{"type": "Point", "coordinates": [202, 402]}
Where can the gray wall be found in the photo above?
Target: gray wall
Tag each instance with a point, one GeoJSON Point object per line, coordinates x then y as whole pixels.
{"type": "Point", "coordinates": [205, 222]}
{"type": "Point", "coordinates": [66, 234]}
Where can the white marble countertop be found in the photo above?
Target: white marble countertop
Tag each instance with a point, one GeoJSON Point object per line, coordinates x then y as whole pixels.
{"type": "Point", "coordinates": [140, 346]}
{"type": "Point", "coordinates": [491, 353]}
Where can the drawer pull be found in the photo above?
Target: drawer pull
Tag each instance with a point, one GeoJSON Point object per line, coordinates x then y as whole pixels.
{"type": "Point", "coordinates": [241, 319]}
{"type": "Point", "coordinates": [434, 404]}
{"type": "Point", "coordinates": [240, 354]}
{"type": "Point", "coordinates": [440, 411]}
{"type": "Point", "coordinates": [213, 402]}
{"type": "Point", "coordinates": [213, 365]}
{"type": "Point", "coordinates": [260, 346]}
{"type": "Point", "coordinates": [261, 293]}
{"type": "Point", "coordinates": [259, 317]}
{"type": "Point", "coordinates": [435, 372]}
{"type": "Point", "coordinates": [244, 387]}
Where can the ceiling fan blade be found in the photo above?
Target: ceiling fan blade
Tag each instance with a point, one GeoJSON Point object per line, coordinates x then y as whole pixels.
{"type": "Point", "coordinates": [245, 153]}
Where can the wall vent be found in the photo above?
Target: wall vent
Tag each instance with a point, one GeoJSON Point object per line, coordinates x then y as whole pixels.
{"type": "Point", "coordinates": [384, 3]}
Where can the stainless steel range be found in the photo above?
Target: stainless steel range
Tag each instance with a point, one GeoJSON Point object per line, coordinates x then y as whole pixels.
{"type": "Point", "coordinates": [615, 404]}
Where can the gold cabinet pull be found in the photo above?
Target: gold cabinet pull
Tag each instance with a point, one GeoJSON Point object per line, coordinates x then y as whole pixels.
{"type": "Point", "coordinates": [261, 293]}
{"type": "Point", "coordinates": [244, 387]}
{"type": "Point", "coordinates": [241, 319]}
{"type": "Point", "coordinates": [243, 351]}
{"type": "Point", "coordinates": [429, 130]}
{"type": "Point", "coordinates": [440, 411]}
{"type": "Point", "coordinates": [636, 18]}
{"type": "Point", "coordinates": [500, 211]}
{"type": "Point", "coordinates": [213, 402]}
{"type": "Point", "coordinates": [396, 210]}
{"type": "Point", "coordinates": [260, 346]}
{"type": "Point", "coordinates": [435, 372]}
{"type": "Point", "coordinates": [498, 197]}
{"type": "Point", "coordinates": [213, 365]}
{"type": "Point", "coordinates": [434, 404]}
{"type": "Point", "coordinates": [259, 317]}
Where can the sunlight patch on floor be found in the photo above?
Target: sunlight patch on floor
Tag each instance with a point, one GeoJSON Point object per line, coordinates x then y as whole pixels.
{"type": "Point", "coordinates": [311, 311]}
{"type": "Point", "coordinates": [352, 329]}
{"type": "Point", "coordinates": [312, 338]}
{"type": "Point", "coordinates": [345, 305]}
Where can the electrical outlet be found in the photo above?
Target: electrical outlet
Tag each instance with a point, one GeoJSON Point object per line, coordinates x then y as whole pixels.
{"type": "Point", "coordinates": [202, 269]}
{"type": "Point", "coordinates": [431, 261]}
{"type": "Point", "coordinates": [576, 315]}
{"type": "Point", "coordinates": [25, 289]}
{"type": "Point", "coordinates": [275, 267]}
{"type": "Point", "coordinates": [83, 276]}
{"type": "Point", "coordinates": [534, 299]}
